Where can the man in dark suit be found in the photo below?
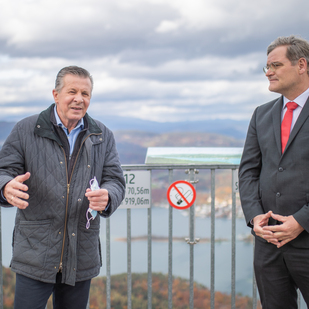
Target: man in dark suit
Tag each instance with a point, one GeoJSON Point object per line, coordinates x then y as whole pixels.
{"type": "Point", "coordinates": [274, 177]}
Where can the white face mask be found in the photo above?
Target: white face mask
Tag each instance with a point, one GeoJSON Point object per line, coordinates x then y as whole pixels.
{"type": "Point", "coordinates": [91, 214]}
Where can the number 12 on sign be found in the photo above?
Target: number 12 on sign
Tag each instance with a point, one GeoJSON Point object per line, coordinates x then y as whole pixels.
{"type": "Point", "coordinates": [138, 189]}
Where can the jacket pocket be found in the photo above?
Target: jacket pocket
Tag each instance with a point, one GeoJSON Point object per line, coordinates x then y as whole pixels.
{"type": "Point", "coordinates": [31, 242]}
{"type": "Point", "coordinates": [88, 248]}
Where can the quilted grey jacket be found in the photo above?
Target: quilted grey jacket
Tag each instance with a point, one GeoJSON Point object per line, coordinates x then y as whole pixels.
{"type": "Point", "coordinates": [51, 232]}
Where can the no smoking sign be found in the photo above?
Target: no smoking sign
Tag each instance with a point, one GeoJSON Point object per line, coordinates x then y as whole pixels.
{"type": "Point", "coordinates": [181, 194]}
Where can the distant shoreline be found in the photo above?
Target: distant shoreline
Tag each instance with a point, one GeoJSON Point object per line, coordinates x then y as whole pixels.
{"type": "Point", "coordinates": [179, 239]}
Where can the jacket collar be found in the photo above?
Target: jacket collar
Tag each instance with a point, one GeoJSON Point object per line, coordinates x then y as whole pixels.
{"type": "Point", "coordinates": [276, 115]}
{"type": "Point", "coordinates": [44, 126]}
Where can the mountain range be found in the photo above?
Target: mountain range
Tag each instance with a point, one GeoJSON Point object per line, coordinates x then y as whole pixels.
{"type": "Point", "coordinates": [134, 136]}
{"type": "Point", "coordinates": [233, 128]}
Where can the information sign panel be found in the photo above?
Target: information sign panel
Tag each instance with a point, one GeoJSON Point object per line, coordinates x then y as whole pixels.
{"type": "Point", "coordinates": [138, 189]}
{"type": "Point", "coordinates": [235, 181]}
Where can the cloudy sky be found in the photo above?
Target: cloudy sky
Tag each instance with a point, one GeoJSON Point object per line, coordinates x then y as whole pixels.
{"type": "Point", "coordinates": [162, 60]}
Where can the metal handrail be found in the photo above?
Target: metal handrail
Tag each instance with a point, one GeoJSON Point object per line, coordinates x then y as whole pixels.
{"type": "Point", "coordinates": [191, 241]}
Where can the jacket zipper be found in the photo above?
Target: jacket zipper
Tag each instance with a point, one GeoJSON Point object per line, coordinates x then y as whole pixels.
{"type": "Point", "coordinates": [65, 227]}
{"type": "Point", "coordinates": [67, 201]}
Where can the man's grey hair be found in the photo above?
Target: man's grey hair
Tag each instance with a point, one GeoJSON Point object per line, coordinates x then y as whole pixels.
{"type": "Point", "coordinates": [297, 48]}
{"type": "Point", "coordinates": [73, 70]}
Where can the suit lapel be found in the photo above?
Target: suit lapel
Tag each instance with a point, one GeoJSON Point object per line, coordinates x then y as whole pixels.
{"type": "Point", "coordinates": [299, 123]}
{"type": "Point", "coordinates": [276, 115]}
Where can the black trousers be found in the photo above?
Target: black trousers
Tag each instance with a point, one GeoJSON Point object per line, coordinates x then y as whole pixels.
{"type": "Point", "coordinates": [279, 273]}
{"type": "Point", "coordinates": [34, 294]}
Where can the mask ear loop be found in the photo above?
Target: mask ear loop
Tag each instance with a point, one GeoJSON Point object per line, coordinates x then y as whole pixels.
{"type": "Point", "coordinates": [91, 182]}
{"type": "Point", "coordinates": [93, 186]}
{"type": "Point", "coordinates": [88, 219]}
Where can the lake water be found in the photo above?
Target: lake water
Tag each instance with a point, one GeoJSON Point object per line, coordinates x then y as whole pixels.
{"type": "Point", "coordinates": [181, 250]}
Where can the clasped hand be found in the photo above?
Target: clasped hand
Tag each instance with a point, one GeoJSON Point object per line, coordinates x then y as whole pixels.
{"type": "Point", "coordinates": [279, 235]}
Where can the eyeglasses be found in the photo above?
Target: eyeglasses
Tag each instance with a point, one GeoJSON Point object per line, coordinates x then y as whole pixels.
{"type": "Point", "coordinates": [273, 66]}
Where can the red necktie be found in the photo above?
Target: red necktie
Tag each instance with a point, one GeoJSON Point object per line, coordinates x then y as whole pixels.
{"type": "Point", "coordinates": [286, 124]}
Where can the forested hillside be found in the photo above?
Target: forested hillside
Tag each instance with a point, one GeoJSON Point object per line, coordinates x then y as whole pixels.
{"type": "Point", "coordinates": [139, 293]}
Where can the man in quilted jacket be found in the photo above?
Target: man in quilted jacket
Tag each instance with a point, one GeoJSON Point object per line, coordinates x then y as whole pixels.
{"type": "Point", "coordinates": [46, 167]}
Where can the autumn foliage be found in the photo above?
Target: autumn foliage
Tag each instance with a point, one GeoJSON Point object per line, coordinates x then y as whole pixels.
{"type": "Point", "coordinates": [139, 297]}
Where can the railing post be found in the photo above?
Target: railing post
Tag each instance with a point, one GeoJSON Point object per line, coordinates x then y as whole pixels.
{"type": "Point", "coordinates": [170, 248]}
{"type": "Point", "coordinates": [192, 241]}
{"type": "Point", "coordinates": [213, 210]}
{"type": "Point", "coordinates": [129, 275]}
{"type": "Point", "coordinates": [1, 271]}
{"type": "Point", "coordinates": [108, 264]}
{"type": "Point", "coordinates": [233, 273]}
{"type": "Point", "coordinates": [149, 257]}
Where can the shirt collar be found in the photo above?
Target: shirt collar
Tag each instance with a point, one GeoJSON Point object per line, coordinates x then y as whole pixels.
{"type": "Point", "coordinates": [300, 100]}
{"type": "Point", "coordinates": [80, 123]}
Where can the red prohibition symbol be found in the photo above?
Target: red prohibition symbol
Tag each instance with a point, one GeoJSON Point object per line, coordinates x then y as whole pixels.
{"type": "Point", "coordinates": [181, 194]}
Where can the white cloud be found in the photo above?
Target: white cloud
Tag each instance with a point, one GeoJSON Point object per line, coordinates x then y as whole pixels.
{"type": "Point", "coordinates": [167, 26]}
{"type": "Point", "coordinates": [162, 60]}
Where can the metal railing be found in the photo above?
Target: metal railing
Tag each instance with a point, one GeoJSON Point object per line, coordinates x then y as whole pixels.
{"type": "Point", "coordinates": [192, 170]}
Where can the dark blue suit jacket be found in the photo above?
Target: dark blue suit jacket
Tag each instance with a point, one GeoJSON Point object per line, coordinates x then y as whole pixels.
{"type": "Point", "coordinates": [270, 180]}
